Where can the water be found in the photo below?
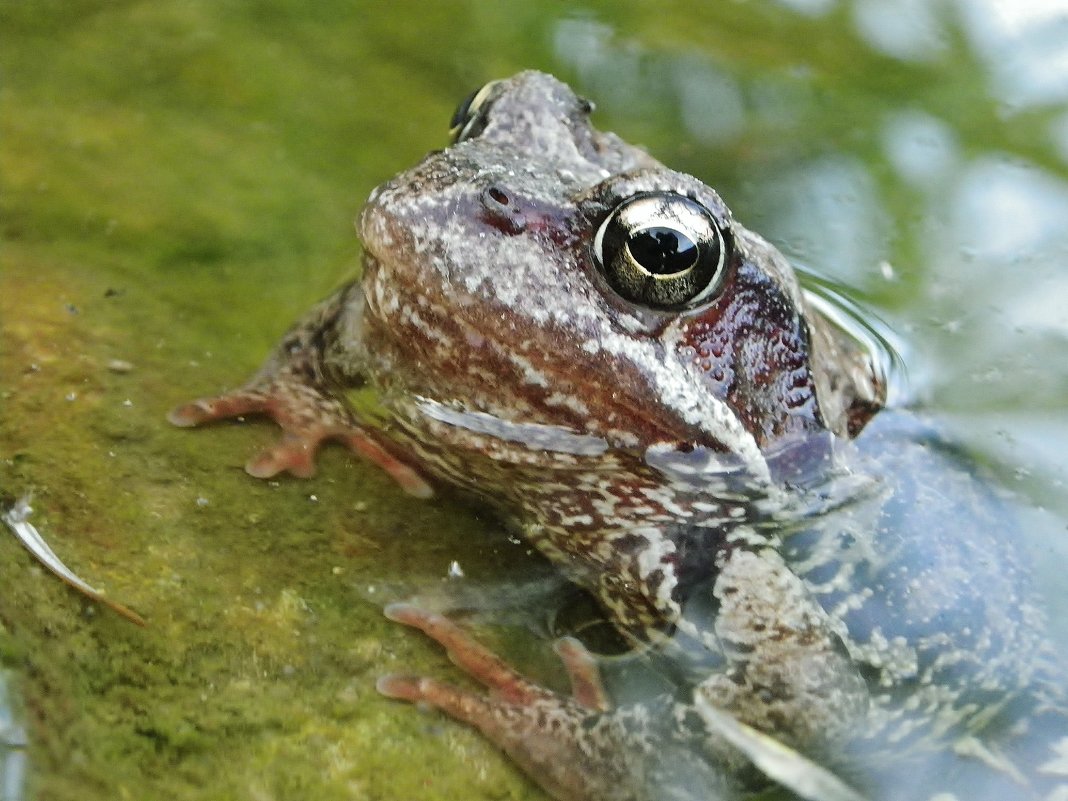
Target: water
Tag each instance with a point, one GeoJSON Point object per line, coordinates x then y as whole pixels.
{"type": "Point", "coordinates": [12, 747]}
{"type": "Point", "coordinates": [178, 182]}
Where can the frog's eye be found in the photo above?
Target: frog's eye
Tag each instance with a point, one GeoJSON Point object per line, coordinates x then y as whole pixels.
{"type": "Point", "coordinates": [661, 250]}
{"type": "Point", "coordinates": [470, 116]}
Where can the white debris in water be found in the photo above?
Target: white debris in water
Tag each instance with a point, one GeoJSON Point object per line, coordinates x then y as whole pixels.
{"type": "Point", "coordinates": [120, 366]}
{"type": "Point", "coordinates": [17, 519]}
{"type": "Point", "coordinates": [775, 759]}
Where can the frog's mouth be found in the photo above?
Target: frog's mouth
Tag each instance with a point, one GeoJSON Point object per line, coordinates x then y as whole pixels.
{"type": "Point", "coordinates": [537, 436]}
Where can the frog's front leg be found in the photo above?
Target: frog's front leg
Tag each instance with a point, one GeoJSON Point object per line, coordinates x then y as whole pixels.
{"type": "Point", "coordinates": [295, 388]}
{"type": "Point", "coordinates": [787, 670]}
{"type": "Point", "coordinates": [778, 662]}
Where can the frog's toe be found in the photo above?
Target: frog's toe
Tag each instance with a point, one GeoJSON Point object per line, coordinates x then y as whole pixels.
{"type": "Point", "coordinates": [586, 686]}
{"type": "Point", "coordinates": [294, 454]}
{"type": "Point", "coordinates": [300, 419]}
{"type": "Point", "coordinates": [481, 664]}
{"type": "Point", "coordinates": [406, 477]}
{"type": "Point", "coordinates": [468, 707]}
{"type": "Point", "coordinates": [220, 407]}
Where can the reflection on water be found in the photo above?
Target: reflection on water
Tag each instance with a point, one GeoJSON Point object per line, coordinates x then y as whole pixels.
{"type": "Point", "coordinates": [1024, 46]}
{"type": "Point", "coordinates": [12, 747]}
{"type": "Point", "coordinates": [922, 149]}
{"type": "Point", "coordinates": [908, 30]}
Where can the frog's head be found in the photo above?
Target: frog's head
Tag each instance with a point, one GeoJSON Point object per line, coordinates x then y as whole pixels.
{"type": "Point", "coordinates": [540, 271]}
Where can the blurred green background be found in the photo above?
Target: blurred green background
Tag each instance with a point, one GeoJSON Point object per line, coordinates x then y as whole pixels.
{"type": "Point", "coordinates": [177, 184]}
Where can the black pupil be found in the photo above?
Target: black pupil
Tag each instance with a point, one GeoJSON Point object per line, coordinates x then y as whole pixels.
{"type": "Point", "coordinates": [662, 251]}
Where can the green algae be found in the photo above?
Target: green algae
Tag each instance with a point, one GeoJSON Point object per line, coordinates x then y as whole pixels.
{"type": "Point", "coordinates": [254, 676]}
{"type": "Point", "coordinates": [178, 183]}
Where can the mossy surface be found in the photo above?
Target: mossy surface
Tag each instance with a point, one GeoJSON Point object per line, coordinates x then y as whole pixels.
{"type": "Point", "coordinates": [254, 676]}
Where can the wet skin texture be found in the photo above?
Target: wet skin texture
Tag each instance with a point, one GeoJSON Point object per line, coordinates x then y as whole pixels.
{"type": "Point", "coordinates": [689, 439]}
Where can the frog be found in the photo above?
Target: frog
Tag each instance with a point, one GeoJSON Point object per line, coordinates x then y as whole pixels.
{"type": "Point", "coordinates": [585, 341]}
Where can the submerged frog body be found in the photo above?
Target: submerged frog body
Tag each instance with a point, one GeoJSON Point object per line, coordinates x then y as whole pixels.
{"type": "Point", "coordinates": [587, 340]}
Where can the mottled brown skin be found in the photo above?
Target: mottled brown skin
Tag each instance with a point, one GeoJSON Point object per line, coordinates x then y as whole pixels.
{"type": "Point", "coordinates": [658, 456]}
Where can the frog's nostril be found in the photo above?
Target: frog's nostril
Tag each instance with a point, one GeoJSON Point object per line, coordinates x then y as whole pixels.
{"type": "Point", "coordinates": [497, 197]}
{"type": "Point", "coordinates": [502, 210]}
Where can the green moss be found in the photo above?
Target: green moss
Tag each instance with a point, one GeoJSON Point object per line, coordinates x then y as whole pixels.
{"type": "Point", "coordinates": [254, 676]}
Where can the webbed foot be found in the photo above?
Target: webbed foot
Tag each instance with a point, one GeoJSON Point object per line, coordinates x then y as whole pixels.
{"type": "Point", "coordinates": [569, 745]}
{"type": "Point", "coordinates": [308, 414]}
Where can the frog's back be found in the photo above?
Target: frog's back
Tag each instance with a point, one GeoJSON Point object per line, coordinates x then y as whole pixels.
{"type": "Point", "coordinates": [926, 572]}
